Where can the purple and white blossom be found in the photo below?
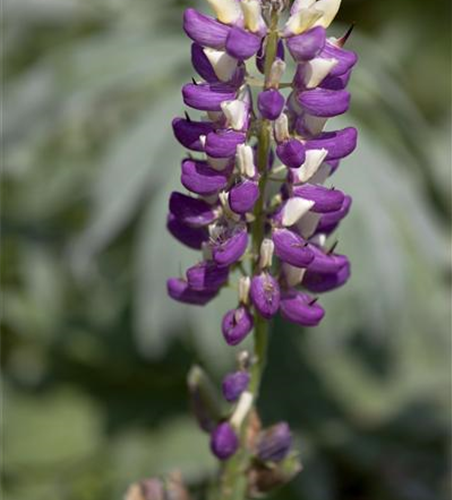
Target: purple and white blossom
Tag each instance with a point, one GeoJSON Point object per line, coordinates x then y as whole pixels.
{"type": "Point", "coordinates": [252, 132]}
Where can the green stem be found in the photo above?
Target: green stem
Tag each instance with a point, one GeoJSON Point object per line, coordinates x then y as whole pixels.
{"type": "Point", "coordinates": [233, 480]}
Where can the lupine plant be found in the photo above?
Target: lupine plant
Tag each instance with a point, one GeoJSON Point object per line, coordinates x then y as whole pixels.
{"type": "Point", "coordinates": [260, 206]}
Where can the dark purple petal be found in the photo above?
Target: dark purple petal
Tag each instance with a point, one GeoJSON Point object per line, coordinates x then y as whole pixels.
{"type": "Point", "coordinates": [307, 45]}
{"type": "Point", "coordinates": [265, 294]}
{"type": "Point", "coordinates": [191, 236]}
{"type": "Point", "coordinates": [325, 199]}
{"type": "Point", "coordinates": [179, 290]}
{"type": "Point", "coordinates": [260, 57]}
{"type": "Point", "coordinates": [324, 102]}
{"type": "Point", "coordinates": [224, 441]}
{"type": "Point", "coordinates": [191, 211]}
{"type": "Point", "coordinates": [234, 384]}
{"type": "Point", "coordinates": [223, 143]}
{"type": "Point", "coordinates": [243, 196]}
{"type": "Point", "coordinates": [301, 309]}
{"type": "Point", "coordinates": [230, 250]}
{"type": "Point", "coordinates": [188, 133]}
{"type": "Point", "coordinates": [242, 44]}
{"type": "Point", "coordinates": [326, 262]}
{"type": "Point", "coordinates": [346, 58]}
{"type": "Point", "coordinates": [292, 248]}
{"type": "Point", "coordinates": [328, 222]}
{"type": "Point", "coordinates": [338, 82]}
{"type": "Point", "coordinates": [236, 325]}
{"type": "Point", "coordinates": [274, 443]}
{"type": "Point", "coordinates": [324, 282]}
{"type": "Point", "coordinates": [204, 30]}
{"type": "Point", "coordinates": [270, 104]}
{"type": "Point", "coordinates": [199, 177]}
{"type": "Point", "coordinates": [207, 276]}
{"type": "Point", "coordinates": [292, 153]}
{"type": "Point", "coordinates": [339, 144]}
{"type": "Point", "coordinates": [207, 96]}
{"type": "Point", "coordinates": [202, 64]}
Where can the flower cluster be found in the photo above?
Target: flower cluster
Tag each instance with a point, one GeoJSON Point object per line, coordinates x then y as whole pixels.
{"type": "Point", "coordinates": [241, 147]}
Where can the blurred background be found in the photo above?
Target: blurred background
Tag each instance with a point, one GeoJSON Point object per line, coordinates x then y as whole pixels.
{"type": "Point", "coordinates": [95, 355]}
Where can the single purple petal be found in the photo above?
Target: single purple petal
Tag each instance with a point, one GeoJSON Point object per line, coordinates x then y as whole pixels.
{"type": "Point", "coordinates": [329, 222]}
{"type": "Point", "coordinates": [204, 30]}
{"type": "Point", "coordinates": [202, 64]}
{"type": "Point", "coordinates": [242, 44]}
{"type": "Point", "coordinates": [207, 276]}
{"type": "Point", "coordinates": [223, 143]}
{"type": "Point", "coordinates": [224, 441]}
{"type": "Point", "coordinates": [191, 211]}
{"type": "Point", "coordinates": [300, 308]}
{"type": "Point", "coordinates": [243, 196]}
{"type": "Point", "coordinates": [207, 96]}
{"type": "Point", "coordinates": [234, 384]}
{"type": "Point", "coordinates": [236, 325]}
{"type": "Point", "coordinates": [292, 153]}
{"type": "Point", "coordinates": [325, 282]}
{"type": "Point", "coordinates": [260, 56]}
{"type": "Point", "coordinates": [274, 443]}
{"type": "Point", "coordinates": [326, 262]}
{"type": "Point", "coordinates": [188, 132]}
{"type": "Point", "coordinates": [179, 290]}
{"type": "Point", "coordinates": [339, 144]}
{"type": "Point", "coordinates": [292, 248]}
{"type": "Point", "coordinates": [325, 200]}
{"type": "Point", "coordinates": [270, 104]}
{"type": "Point", "coordinates": [324, 102]}
{"type": "Point", "coordinates": [346, 58]}
{"type": "Point", "coordinates": [192, 237]}
{"type": "Point", "coordinates": [308, 45]}
{"type": "Point", "coordinates": [265, 294]}
{"type": "Point", "coordinates": [337, 82]}
{"type": "Point", "coordinates": [199, 177]}
{"type": "Point", "coordinates": [229, 250]}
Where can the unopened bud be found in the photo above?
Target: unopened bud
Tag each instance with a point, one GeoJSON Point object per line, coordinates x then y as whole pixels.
{"type": "Point", "coordinates": [274, 443]}
{"type": "Point", "coordinates": [266, 253]}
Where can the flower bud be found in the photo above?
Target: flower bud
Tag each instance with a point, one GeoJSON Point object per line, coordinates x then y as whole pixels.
{"type": "Point", "coordinates": [234, 384]}
{"type": "Point", "coordinates": [274, 443]}
{"type": "Point", "coordinates": [270, 104]}
{"type": "Point", "coordinates": [292, 248]}
{"type": "Point", "coordinates": [292, 153]}
{"type": "Point", "coordinates": [236, 325]}
{"type": "Point", "coordinates": [266, 253]}
{"type": "Point", "coordinates": [265, 294]}
{"type": "Point", "coordinates": [243, 196]}
{"type": "Point", "coordinates": [224, 441]}
{"type": "Point", "coordinates": [300, 308]}
{"type": "Point", "coordinates": [325, 200]}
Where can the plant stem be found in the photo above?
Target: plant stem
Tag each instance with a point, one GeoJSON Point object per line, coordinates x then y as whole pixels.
{"type": "Point", "coordinates": [233, 481]}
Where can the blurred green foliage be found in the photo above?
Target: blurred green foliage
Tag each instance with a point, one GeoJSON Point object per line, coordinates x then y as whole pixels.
{"type": "Point", "coordinates": [95, 355]}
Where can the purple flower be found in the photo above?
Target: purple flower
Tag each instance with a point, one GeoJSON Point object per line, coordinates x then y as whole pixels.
{"type": "Point", "coordinates": [274, 443]}
{"type": "Point", "coordinates": [224, 441]}
{"type": "Point", "coordinates": [200, 178]}
{"type": "Point", "coordinates": [292, 153]}
{"type": "Point", "coordinates": [325, 200]}
{"type": "Point", "coordinates": [236, 325]}
{"type": "Point", "coordinates": [204, 30]}
{"type": "Point", "coordinates": [301, 309]}
{"type": "Point", "coordinates": [324, 102]}
{"type": "Point", "coordinates": [243, 196]}
{"type": "Point", "coordinates": [265, 294]}
{"type": "Point", "coordinates": [188, 133]}
{"type": "Point", "coordinates": [207, 277]}
{"type": "Point", "coordinates": [329, 222]}
{"type": "Point", "coordinates": [242, 44]}
{"type": "Point", "coordinates": [179, 290]}
{"type": "Point", "coordinates": [270, 104]}
{"type": "Point", "coordinates": [223, 143]}
{"type": "Point", "coordinates": [339, 144]}
{"type": "Point", "coordinates": [191, 211]}
{"type": "Point", "coordinates": [234, 384]}
{"type": "Point", "coordinates": [292, 248]}
{"type": "Point", "coordinates": [192, 237]}
{"type": "Point", "coordinates": [229, 247]}
{"type": "Point", "coordinates": [318, 282]}
{"type": "Point", "coordinates": [307, 45]}
{"type": "Point", "coordinates": [207, 96]}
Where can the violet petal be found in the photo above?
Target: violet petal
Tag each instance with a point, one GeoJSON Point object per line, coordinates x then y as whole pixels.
{"type": "Point", "coordinates": [234, 384]}
{"type": "Point", "coordinates": [242, 44]}
{"type": "Point", "coordinates": [191, 211]}
{"type": "Point", "coordinates": [270, 104]}
{"type": "Point", "coordinates": [188, 133]}
{"type": "Point", "coordinates": [205, 30]}
{"type": "Point", "coordinates": [243, 196]}
{"type": "Point", "coordinates": [229, 251]}
{"type": "Point", "coordinates": [207, 96]}
{"type": "Point", "coordinates": [299, 308]}
{"type": "Point", "coordinates": [199, 177]}
{"type": "Point", "coordinates": [223, 143]}
{"type": "Point", "coordinates": [292, 248]}
{"type": "Point", "coordinates": [207, 276]}
{"type": "Point", "coordinates": [192, 237]}
{"type": "Point", "coordinates": [339, 144]}
{"type": "Point", "coordinates": [265, 294]}
{"type": "Point", "coordinates": [325, 282]}
{"type": "Point", "coordinates": [325, 200]}
{"type": "Point", "coordinates": [324, 102]}
{"type": "Point", "coordinates": [308, 45]}
{"type": "Point", "coordinates": [224, 441]}
{"type": "Point", "coordinates": [236, 325]}
{"type": "Point", "coordinates": [179, 290]}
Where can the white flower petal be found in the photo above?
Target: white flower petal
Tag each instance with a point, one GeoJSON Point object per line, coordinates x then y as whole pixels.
{"type": "Point", "coordinates": [222, 63]}
{"type": "Point", "coordinates": [294, 209]}
{"type": "Point", "coordinates": [226, 11]}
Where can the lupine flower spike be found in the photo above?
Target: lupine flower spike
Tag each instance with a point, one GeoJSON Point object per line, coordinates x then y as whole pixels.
{"type": "Point", "coordinates": [253, 131]}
